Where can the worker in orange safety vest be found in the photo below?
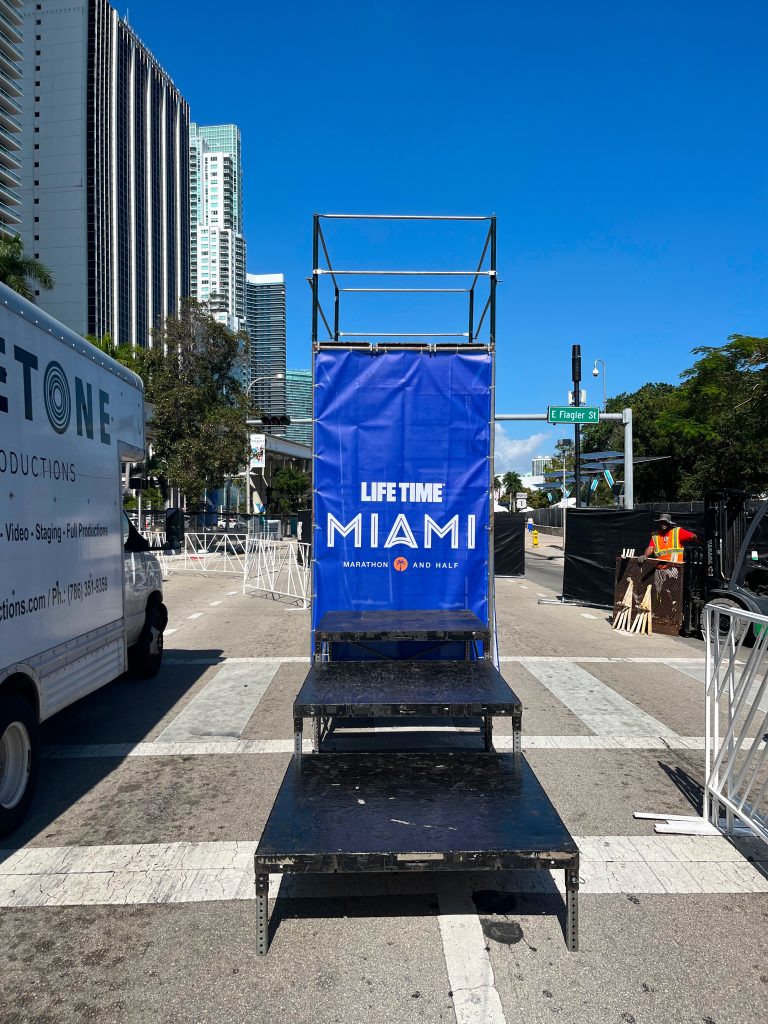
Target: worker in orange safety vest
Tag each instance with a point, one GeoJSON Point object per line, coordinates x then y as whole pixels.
{"type": "Point", "coordinates": [667, 541]}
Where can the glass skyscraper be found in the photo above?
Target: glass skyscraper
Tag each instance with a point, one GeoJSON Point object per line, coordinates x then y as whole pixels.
{"type": "Point", "coordinates": [298, 400]}
{"type": "Point", "coordinates": [216, 208]}
{"type": "Point", "coordinates": [11, 36]}
{"type": "Point", "coordinates": [265, 315]}
{"type": "Point", "coordinates": [105, 183]}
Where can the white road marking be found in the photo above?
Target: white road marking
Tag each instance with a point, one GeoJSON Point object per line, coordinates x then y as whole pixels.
{"type": "Point", "coordinates": [594, 660]}
{"type": "Point", "coordinates": [195, 615]}
{"type": "Point", "coordinates": [232, 593]}
{"type": "Point", "coordinates": [523, 587]}
{"type": "Point", "coordinates": [467, 960]}
{"type": "Point", "coordinates": [214, 603]}
{"type": "Point", "coordinates": [185, 872]}
{"type": "Point", "coordinates": [234, 661]}
{"type": "Point", "coordinates": [599, 707]}
{"type": "Point", "coordinates": [168, 632]}
{"type": "Point", "coordinates": [179, 748]}
{"type": "Point", "coordinates": [542, 595]}
{"type": "Point", "coordinates": [586, 615]}
{"type": "Point", "coordinates": [223, 707]}
{"type": "Point", "coordinates": [201, 748]}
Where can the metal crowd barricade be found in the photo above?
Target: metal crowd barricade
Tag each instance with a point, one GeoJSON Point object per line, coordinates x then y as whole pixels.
{"type": "Point", "coordinates": [736, 729]}
{"type": "Point", "coordinates": [222, 553]}
{"type": "Point", "coordinates": [278, 568]}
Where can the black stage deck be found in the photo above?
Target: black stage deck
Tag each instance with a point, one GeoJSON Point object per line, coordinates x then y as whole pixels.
{"type": "Point", "coordinates": [400, 625]}
{"type": "Point", "coordinates": [382, 688]}
{"type": "Point", "coordinates": [427, 812]}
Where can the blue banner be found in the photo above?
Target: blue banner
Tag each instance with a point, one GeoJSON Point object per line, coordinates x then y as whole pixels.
{"type": "Point", "coordinates": [402, 481]}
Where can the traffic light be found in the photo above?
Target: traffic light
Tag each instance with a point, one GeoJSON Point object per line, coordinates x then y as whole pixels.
{"type": "Point", "coordinates": [274, 421]}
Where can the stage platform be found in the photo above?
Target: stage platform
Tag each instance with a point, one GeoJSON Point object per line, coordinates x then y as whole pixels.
{"type": "Point", "coordinates": [393, 689]}
{"type": "Point", "coordinates": [374, 812]}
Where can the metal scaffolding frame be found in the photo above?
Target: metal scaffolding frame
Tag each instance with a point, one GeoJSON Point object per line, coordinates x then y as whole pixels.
{"type": "Point", "coordinates": [480, 273]}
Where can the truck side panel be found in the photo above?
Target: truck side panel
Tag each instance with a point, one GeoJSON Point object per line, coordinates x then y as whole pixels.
{"type": "Point", "coordinates": [65, 410]}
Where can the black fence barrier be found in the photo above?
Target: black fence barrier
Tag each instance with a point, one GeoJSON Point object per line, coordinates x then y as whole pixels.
{"type": "Point", "coordinates": [596, 537]}
{"type": "Point", "coordinates": [508, 544]}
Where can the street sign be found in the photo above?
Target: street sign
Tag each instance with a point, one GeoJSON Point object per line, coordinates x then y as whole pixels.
{"type": "Point", "coordinates": [573, 414]}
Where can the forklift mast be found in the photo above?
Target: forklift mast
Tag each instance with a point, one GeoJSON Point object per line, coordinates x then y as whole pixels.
{"type": "Point", "coordinates": [725, 526]}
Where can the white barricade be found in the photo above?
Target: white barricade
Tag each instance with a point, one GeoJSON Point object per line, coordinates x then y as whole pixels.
{"type": "Point", "coordinates": [736, 729]}
{"type": "Point", "coordinates": [279, 568]}
{"type": "Point", "coordinates": [222, 553]}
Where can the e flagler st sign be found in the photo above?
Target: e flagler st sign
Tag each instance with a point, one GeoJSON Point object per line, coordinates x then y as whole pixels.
{"type": "Point", "coordinates": [573, 414]}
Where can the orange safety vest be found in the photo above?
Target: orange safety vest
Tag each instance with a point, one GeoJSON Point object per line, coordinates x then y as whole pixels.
{"type": "Point", "coordinates": [667, 546]}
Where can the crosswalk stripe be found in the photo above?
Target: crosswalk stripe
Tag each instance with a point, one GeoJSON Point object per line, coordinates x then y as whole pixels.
{"type": "Point", "coordinates": [599, 707]}
{"type": "Point", "coordinates": [222, 709]}
{"type": "Point", "coordinates": [189, 872]}
{"type": "Point", "coordinates": [203, 748]}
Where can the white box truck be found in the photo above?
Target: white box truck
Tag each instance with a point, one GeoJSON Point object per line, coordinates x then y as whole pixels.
{"type": "Point", "coordinates": [80, 594]}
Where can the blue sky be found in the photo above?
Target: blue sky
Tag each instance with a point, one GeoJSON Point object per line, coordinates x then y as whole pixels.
{"type": "Point", "coordinates": [622, 147]}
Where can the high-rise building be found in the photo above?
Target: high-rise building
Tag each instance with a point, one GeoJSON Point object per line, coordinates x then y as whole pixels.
{"type": "Point", "coordinates": [105, 179]}
{"type": "Point", "coordinates": [539, 464]}
{"type": "Point", "coordinates": [216, 200]}
{"type": "Point", "coordinates": [265, 317]}
{"type": "Point", "coordinates": [298, 402]}
{"type": "Point", "coordinates": [10, 110]}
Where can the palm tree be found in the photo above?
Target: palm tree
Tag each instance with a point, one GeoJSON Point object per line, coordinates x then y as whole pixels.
{"type": "Point", "coordinates": [17, 269]}
{"type": "Point", "coordinates": [512, 484]}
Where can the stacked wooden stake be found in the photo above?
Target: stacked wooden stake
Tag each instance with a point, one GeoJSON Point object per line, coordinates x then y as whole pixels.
{"type": "Point", "coordinates": [644, 621]}
{"type": "Point", "coordinates": [623, 620]}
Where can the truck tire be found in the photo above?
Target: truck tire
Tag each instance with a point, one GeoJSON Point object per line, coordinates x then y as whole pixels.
{"type": "Point", "coordinates": [728, 602]}
{"type": "Point", "coordinates": [19, 760]}
{"type": "Point", "coordinates": [146, 655]}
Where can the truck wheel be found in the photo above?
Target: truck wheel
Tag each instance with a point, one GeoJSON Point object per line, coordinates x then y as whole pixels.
{"type": "Point", "coordinates": [19, 760]}
{"type": "Point", "coordinates": [146, 655]}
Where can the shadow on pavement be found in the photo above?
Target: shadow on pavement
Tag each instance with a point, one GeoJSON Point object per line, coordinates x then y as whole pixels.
{"type": "Point", "coordinates": [123, 712]}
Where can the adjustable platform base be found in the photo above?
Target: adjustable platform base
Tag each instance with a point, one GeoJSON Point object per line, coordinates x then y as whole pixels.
{"type": "Point", "coordinates": [380, 812]}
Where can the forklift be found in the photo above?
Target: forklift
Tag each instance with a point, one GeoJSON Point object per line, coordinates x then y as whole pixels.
{"type": "Point", "coordinates": [731, 568]}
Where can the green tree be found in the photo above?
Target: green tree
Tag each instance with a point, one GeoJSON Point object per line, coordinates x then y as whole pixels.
{"type": "Point", "coordinates": [653, 481]}
{"type": "Point", "coordinates": [22, 272]}
{"type": "Point", "coordinates": [716, 418]}
{"type": "Point", "coordinates": [290, 490]}
{"type": "Point", "coordinates": [511, 483]}
{"type": "Point", "coordinates": [537, 498]}
{"type": "Point", "coordinates": [191, 377]}
{"type": "Point", "coordinates": [131, 356]}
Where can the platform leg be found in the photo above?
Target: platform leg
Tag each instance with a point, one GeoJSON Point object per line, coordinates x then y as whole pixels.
{"type": "Point", "coordinates": [262, 914]}
{"type": "Point", "coordinates": [316, 735]}
{"type": "Point", "coordinates": [298, 735]}
{"type": "Point", "coordinates": [517, 735]}
{"type": "Point", "coordinates": [488, 732]}
{"type": "Point", "coordinates": [572, 909]}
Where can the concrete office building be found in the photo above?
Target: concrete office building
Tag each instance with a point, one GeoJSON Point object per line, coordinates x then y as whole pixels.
{"type": "Point", "coordinates": [11, 36]}
{"type": "Point", "coordinates": [105, 179]}
{"type": "Point", "coordinates": [217, 248]}
{"type": "Point", "coordinates": [539, 464]}
{"type": "Point", "coordinates": [265, 316]}
{"type": "Point", "coordinates": [298, 402]}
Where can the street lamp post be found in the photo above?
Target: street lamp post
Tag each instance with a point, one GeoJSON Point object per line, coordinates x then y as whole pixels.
{"type": "Point", "coordinates": [248, 486]}
{"type": "Point", "coordinates": [596, 373]}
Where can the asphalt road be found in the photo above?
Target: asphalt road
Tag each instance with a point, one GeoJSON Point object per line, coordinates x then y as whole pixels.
{"type": "Point", "coordinates": [128, 895]}
{"type": "Point", "coordinates": [544, 565]}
